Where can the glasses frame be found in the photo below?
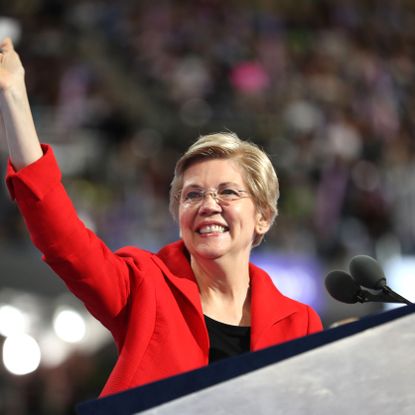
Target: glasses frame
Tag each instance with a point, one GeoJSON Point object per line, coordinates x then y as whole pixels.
{"type": "Point", "coordinates": [215, 194]}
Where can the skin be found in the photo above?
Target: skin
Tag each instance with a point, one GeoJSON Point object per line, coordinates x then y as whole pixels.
{"type": "Point", "coordinates": [220, 259]}
{"type": "Point", "coordinates": [16, 121]}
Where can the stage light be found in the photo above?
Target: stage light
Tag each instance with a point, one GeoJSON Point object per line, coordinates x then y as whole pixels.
{"type": "Point", "coordinates": [21, 354]}
{"type": "Point", "coordinates": [69, 326]}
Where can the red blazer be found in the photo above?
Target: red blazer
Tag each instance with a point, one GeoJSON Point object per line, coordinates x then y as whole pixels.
{"type": "Point", "coordinates": [149, 302]}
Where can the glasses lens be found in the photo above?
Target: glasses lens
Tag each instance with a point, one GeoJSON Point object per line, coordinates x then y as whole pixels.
{"type": "Point", "coordinates": [225, 195]}
{"type": "Point", "coordinates": [193, 196]}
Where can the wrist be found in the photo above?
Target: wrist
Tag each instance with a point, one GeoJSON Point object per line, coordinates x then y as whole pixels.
{"type": "Point", "coordinates": [14, 96]}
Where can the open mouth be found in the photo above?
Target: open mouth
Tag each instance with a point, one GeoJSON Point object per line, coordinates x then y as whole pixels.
{"type": "Point", "coordinates": [212, 229]}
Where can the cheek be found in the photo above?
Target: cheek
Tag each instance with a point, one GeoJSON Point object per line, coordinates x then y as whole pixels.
{"type": "Point", "coordinates": [184, 219]}
{"type": "Point", "coordinates": [243, 214]}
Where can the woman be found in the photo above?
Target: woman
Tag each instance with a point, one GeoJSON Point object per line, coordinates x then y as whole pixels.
{"type": "Point", "coordinates": [195, 301]}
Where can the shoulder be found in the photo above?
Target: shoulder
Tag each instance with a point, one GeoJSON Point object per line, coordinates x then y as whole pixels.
{"type": "Point", "coordinates": [135, 255]}
{"type": "Point", "coordinates": [172, 258]}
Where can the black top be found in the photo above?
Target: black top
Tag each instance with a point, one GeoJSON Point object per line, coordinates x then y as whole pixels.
{"type": "Point", "coordinates": [226, 340]}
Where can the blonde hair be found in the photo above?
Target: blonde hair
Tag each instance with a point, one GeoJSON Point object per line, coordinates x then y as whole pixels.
{"type": "Point", "coordinates": [260, 176]}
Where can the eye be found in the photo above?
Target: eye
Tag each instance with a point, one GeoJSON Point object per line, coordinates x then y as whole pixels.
{"type": "Point", "coordinates": [193, 195]}
{"type": "Point", "coordinates": [229, 193]}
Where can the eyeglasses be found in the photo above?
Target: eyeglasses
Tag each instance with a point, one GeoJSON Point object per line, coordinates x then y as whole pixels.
{"type": "Point", "coordinates": [193, 197]}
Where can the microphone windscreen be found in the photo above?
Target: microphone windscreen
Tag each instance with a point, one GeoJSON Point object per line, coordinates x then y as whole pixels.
{"type": "Point", "coordinates": [342, 286]}
{"type": "Point", "coordinates": [367, 272]}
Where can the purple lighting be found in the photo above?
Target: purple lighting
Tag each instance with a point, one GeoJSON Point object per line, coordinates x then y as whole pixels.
{"type": "Point", "coordinates": [296, 276]}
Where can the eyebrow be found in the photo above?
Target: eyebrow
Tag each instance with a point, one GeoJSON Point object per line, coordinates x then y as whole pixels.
{"type": "Point", "coordinates": [221, 185]}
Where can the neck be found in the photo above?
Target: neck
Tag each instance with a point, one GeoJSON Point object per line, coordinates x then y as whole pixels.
{"type": "Point", "coordinates": [224, 289]}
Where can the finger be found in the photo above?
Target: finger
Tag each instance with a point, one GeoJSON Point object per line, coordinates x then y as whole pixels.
{"type": "Point", "coordinates": [6, 45]}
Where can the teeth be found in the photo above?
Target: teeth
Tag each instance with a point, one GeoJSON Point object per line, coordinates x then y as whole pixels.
{"type": "Point", "coordinates": [212, 228]}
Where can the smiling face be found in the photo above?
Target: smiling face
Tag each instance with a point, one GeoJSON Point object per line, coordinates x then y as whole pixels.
{"type": "Point", "coordinates": [212, 229]}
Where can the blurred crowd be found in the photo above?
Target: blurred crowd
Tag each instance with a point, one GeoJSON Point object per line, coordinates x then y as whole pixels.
{"type": "Point", "coordinates": [327, 88]}
{"type": "Point", "coordinates": [120, 89]}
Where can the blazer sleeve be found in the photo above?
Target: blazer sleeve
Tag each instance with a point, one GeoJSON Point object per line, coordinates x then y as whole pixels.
{"type": "Point", "coordinates": [99, 277]}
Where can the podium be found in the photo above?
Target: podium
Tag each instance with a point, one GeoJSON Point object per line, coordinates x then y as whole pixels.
{"type": "Point", "coordinates": [364, 367]}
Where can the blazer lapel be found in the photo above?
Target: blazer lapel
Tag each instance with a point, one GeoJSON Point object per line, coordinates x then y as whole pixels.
{"type": "Point", "coordinates": [174, 262]}
{"type": "Point", "coordinates": [268, 305]}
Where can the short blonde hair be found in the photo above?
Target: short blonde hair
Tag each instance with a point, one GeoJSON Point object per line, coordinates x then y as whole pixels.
{"type": "Point", "coordinates": [260, 176]}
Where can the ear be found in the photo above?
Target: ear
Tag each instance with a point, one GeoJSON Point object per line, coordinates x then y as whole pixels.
{"type": "Point", "coordinates": [262, 224]}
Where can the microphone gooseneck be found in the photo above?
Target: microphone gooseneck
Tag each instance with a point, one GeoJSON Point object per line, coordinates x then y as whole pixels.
{"type": "Point", "coordinates": [343, 287]}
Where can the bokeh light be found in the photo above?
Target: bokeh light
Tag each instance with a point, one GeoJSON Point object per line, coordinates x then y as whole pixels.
{"type": "Point", "coordinates": [21, 354]}
{"type": "Point", "coordinates": [12, 320]}
{"type": "Point", "coordinates": [69, 326]}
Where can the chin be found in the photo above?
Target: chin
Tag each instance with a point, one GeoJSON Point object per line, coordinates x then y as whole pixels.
{"type": "Point", "coordinates": [210, 250]}
{"type": "Point", "coordinates": [209, 253]}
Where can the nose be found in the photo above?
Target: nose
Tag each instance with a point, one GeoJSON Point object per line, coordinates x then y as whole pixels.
{"type": "Point", "coordinates": [209, 204]}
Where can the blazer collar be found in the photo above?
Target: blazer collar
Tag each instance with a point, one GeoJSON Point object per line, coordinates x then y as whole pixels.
{"type": "Point", "coordinates": [268, 305]}
{"type": "Point", "coordinates": [177, 259]}
{"type": "Point", "coordinates": [174, 261]}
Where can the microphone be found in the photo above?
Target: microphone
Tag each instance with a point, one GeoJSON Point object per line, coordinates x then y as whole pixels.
{"type": "Point", "coordinates": [368, 273]}
{"type": "Point", "coordinates": [342, 287]}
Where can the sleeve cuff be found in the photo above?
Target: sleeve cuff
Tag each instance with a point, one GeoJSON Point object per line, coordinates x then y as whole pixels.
{"type": "Point", "coordinates": [34, 181]}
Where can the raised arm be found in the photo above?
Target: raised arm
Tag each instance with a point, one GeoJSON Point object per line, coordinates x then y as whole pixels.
{"type": "Point", "coordinates": [89, 268]}
{"type": "Point", "coordinates": [16, 117]}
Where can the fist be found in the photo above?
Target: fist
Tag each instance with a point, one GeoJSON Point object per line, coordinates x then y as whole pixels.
{"type": "Point", "coordinates": [11, 68]}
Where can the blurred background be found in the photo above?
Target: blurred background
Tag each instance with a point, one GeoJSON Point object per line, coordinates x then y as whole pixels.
{"type": "Point", "coordinates": [120, 89]}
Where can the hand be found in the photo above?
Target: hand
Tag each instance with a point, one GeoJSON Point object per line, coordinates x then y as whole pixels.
{"type": "Point", "coordinates": [11, 68]}
{"type": "Point", "coordinates": [16, 122]}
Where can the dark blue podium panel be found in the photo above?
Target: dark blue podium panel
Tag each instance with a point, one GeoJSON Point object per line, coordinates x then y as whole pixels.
{"type": "Point", "coordinates": [367, 366]}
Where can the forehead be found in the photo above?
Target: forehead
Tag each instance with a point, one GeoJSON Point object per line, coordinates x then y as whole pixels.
{"type": "Point", "coordinates": [213, 172]}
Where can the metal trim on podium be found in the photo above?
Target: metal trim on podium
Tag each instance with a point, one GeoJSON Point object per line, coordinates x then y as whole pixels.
{"type": "Point", "coordinates": [360, 357]}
